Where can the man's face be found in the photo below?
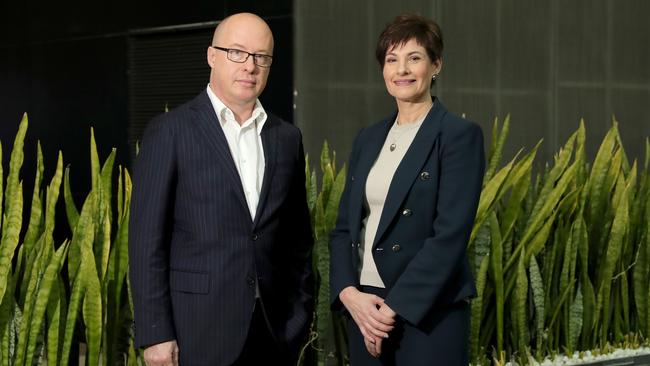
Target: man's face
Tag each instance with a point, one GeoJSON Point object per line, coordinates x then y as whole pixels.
{"type": "Point", "coordinates": [239, 83]}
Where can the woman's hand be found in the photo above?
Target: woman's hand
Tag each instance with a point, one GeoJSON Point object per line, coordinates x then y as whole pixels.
{"type": "Point", "coordinates": [374, 348]}
{"type": "Point", "coordinates": [365, 310]}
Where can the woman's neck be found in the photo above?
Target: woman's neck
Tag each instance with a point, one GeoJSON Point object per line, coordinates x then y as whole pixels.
{"type": "Point", "coordinates": [410, 112]}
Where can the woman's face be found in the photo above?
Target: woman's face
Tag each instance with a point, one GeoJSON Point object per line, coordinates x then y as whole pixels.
{"type": "Point", "coordinates": [408, 71]}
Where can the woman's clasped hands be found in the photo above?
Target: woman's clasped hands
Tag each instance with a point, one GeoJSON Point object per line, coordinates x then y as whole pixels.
{"type": "Point", "coordinates": [374, 318]}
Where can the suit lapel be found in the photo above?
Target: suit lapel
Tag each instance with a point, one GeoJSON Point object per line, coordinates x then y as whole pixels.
{"type": "Point", "coordinates": [409, 168]}
{"type": "Point", "coordinates": [208, 123]}
{"type": "Point", "coordinates": [368, 155]}
{"type": "Point", "coordinates": [269, 144]}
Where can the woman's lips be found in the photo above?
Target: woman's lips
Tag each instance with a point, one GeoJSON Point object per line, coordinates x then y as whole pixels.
{"type": "Point", "coordinates": [404, 82]}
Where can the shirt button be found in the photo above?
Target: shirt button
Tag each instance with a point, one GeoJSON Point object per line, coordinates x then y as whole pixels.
{"type": "Point", "coordinates": [396, 248]}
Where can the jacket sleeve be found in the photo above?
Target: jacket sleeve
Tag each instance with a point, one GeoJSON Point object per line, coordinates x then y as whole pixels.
{"type": "Point", "coordinates": [462, 164]}
{"type": "Point", "coordinates": [300, 263]}
{"type": "Point", "coordinates": [343, 272]}
{"type": "Point", "coordinates": [150, 224]}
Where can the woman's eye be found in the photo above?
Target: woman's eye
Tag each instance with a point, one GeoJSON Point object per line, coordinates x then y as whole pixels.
{"type": "Point", "coordinates": [414, 58]}
{"type": "Point", "coordinates": [390, 60]}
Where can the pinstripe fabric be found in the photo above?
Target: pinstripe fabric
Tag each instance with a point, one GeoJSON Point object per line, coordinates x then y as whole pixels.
{"type": "Point", "coordinates": [196, 256]}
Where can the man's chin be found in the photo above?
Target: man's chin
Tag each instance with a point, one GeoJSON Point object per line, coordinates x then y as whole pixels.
{"type": "Point", "coordinates": [247, 95]}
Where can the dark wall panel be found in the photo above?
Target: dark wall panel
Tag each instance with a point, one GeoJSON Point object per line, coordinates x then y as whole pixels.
{"type": "Point", "coordinates": [546, 63]}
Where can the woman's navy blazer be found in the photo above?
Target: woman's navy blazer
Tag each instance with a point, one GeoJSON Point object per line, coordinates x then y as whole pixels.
{"type": "Point", "coordinates": [421, 240]}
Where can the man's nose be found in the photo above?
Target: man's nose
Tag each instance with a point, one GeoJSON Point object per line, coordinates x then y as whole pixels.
{"type": "Point", "coordinates": [249, 64]}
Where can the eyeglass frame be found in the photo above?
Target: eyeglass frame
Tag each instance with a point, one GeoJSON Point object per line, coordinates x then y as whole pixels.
{"type": "Point", "coordinates": [248, 54]}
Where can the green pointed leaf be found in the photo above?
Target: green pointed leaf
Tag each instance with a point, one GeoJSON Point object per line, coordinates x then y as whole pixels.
{"type": "Point", "coordinates": [15, 164]}
{"type": "Point", "coordinates": [520, 305]}
{"type": "Point", "coordinates": [82, 237]}
{"type": "Point", "coordinates": [575, 322]}
{"type": "Point", "coordinates": [10, 234]}
{"type": "Point", "coordinates": [94, 161]}
{"type": "Point", "coordinates": [36, 213]}
{"type": "Point", "coordinates": [496, 258]}
{"type": "Point", "coordinates": [70, 207]}
{"type": "Point", "coordinates": [324, 156]}
{"type": "Point", "coordinates": [537, 289]}
{"type": "Point", "coordinates": [48, 281]}
{"type": "Point", "coordinates": [476, 308]}
{"type": "Point", "coordinates": [495, 154]}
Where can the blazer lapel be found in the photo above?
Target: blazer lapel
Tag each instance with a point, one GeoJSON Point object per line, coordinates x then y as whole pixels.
{"type": "Point", "coordinates": [367, 158]}
{"type": "Point", "coordinates": [269, 144]}
{"type": "Point", "coordinates": [208, 123]}
{"type": "Point", "coordinates": [409, 168]}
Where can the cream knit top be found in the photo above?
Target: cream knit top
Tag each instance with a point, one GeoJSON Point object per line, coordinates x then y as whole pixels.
{"type": "Point", "coordinates": [397, 142]}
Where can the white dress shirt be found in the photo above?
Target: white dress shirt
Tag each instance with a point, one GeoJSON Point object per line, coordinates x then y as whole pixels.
{"type": "Point", "coordinates": [245, 143]}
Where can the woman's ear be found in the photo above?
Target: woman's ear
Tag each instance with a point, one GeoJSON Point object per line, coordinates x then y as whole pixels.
{"type": "Point", "coordinates": [437, 66]}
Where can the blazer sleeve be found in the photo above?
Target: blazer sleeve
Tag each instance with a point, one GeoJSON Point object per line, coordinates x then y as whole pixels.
{"type": "Point", "coordinates": [299, 233]}
{"type": "Point", "coordinates": [149, 235]}
{"type": "Point", "coordinates": [462, 164]}
{"type": "Point", "coordinates": [342, 269]}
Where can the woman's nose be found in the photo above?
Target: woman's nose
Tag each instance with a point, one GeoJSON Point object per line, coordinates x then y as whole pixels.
{"type": "Point", "coordinates": [402, 68]}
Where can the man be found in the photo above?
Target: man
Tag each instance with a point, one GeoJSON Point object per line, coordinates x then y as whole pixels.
{"type": "Point", "coordinates": [220, 241]}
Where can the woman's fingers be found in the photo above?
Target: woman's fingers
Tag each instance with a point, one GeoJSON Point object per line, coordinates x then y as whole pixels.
{"type": "Point", "coordinates": [364, 310]}
{"type": "Point", "coordinates": [370, 347]}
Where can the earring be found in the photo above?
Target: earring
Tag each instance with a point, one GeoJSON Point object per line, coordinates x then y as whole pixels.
{"type": "Point", "coordinates": [433, 78]}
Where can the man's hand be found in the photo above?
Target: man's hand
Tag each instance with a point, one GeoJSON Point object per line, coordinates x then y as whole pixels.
{"type": "Point", "coordinates": [363, 307]}
{"type": "Point", "coordinates": [162, 354]}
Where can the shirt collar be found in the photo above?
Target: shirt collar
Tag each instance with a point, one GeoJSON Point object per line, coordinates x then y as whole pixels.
{"type": "Point", "coordinates": [224, 114]}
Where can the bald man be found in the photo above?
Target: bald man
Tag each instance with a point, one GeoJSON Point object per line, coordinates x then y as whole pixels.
{"type": "Point", "coordinates": [220, 240]}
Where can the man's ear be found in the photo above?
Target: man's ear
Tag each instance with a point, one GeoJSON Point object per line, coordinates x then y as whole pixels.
{"type": "Point", "coordinates": [210, 56]}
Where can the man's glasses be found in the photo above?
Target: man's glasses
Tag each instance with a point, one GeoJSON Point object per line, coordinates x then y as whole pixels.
{"type": "Point", "coordinates": [241, 56]}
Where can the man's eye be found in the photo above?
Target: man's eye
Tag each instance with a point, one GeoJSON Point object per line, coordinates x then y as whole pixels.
{"type": "Point", "coordinates": [414, 58]}
{"type": "Point", "coordinates": [236, 53]}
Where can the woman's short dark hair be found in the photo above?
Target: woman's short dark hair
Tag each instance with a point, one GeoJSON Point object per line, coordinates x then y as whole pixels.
{"type": "Point", "coordinates": [405, 27]}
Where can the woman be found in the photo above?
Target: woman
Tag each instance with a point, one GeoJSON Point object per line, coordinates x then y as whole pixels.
{"type": "Point", "coordinates": [398, 261]}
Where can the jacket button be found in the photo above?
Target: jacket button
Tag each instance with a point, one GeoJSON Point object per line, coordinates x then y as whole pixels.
{"type": "Point", "coordinates": [254, 237]}
{"type": "Point", "coordinates": [407, 212]}
{"type": "Point", "coordinates": [250, 281]}
{"type": "Point", "coordinates": [425, 176]}
{"type": "Point", "coordinates": [396, 248]}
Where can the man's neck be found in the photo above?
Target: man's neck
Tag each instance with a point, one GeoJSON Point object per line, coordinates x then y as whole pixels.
{"type": "Point", "coordinates": [242, 112]}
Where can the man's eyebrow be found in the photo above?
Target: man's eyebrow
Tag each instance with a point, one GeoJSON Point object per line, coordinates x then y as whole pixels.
{"type": "Point", "coordinates": [242, 48]}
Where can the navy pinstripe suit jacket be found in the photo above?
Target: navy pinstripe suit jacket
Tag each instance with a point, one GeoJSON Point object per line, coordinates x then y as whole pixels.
{"type": "Point", "coordinates": [195, 254]}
